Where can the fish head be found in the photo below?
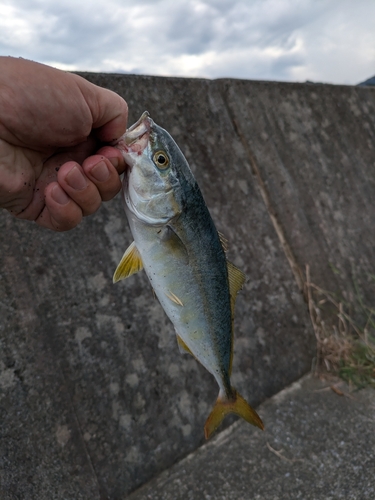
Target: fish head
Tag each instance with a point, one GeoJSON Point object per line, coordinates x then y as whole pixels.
{"type": "Point", "coordinates": [151, 185]}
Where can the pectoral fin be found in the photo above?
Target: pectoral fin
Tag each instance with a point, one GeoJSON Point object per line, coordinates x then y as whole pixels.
{"type": "Point", "coordinates": [130, 263]}
{"type": "Point", "coordinates": [237, 405]}
{"type": "Point", "coordinates": [174, 244]}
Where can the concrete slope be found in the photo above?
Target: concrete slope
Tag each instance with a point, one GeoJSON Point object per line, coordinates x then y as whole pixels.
{"type": "Point", "coordinates": [312, 148]}
{"type": "Point", "coordinates": [95, 398]}
{"type": "Point", "coordinates": [318, 444]}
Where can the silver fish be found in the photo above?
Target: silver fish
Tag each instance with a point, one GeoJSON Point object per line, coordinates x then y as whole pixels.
{"type": "Point", "coordinates": [178, 246]}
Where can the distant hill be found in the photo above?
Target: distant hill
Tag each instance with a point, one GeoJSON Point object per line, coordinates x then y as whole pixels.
{"type": "Point", "coordinates": [370, 81]}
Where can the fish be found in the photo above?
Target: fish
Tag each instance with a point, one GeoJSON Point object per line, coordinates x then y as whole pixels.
{"type": "Point", "coordinates": [183, 255]}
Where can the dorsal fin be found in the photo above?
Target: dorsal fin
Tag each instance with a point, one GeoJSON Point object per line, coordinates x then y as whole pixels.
{"type": "Point", "coordinates": [236, 281]}
{"type": "Point", "coordinates": [130, 263]}
{"type": "Point", "coordinates": [223, 241]}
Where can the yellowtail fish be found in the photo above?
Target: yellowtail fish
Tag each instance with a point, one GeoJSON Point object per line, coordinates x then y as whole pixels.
{"type": "Point", "coordinates": [178, 246]}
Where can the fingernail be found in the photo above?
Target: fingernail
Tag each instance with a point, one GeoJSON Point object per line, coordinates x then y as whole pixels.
{"type": "Point", "coordinates": [75, 179]}
{"type": "Point", "coordinates": [100, 171]}
{"type": "Point", "coordinates": [59, 195]}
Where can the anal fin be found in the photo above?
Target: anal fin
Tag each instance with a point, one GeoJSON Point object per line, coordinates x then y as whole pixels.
{"type": "Point", "coordinates": [173, 297]}
{"type": "Point", "coordinates": [182, 346]}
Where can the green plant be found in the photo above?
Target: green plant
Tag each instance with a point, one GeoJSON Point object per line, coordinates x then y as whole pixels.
{"type": "Point", "coordinates": [345, 347]}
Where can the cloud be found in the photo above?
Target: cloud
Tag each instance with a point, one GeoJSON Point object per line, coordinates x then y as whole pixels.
{"type": "Point", "coordinates": [323, 40]}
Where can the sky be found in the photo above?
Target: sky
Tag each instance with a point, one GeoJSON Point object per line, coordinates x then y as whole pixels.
{"type": "Point", "coordinates": [331, 41]}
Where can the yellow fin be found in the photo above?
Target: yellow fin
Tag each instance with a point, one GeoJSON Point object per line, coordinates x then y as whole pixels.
{"type": "Point", "coordinates": [174, 298]}
{"type": "Point", "coordinates": [183, 347]}
{"type": "Point", "coordinates": [236, 281]}
{"type": "Point", "coordinates": [130, 263]}
{"type": "Point", "coordinates": [223, 241]}
{"type": "Point", "coordinates": [237, 405]}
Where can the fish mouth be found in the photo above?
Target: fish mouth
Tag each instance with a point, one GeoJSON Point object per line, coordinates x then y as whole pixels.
{"type": "Point", "coordinates": [136, 138]}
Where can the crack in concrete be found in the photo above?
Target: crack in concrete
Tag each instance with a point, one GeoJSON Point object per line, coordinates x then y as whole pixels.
{"type": "Point", "coordinates": [296, 270]}
{"type": "Point", "coordinates": [80, 430]}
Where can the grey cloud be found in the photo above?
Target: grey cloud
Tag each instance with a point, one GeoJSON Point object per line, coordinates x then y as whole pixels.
{"type": "Point", "coordinates": [263, 39]}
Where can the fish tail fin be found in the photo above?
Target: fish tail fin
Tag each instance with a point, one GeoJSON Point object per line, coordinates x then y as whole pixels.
{"type": "Point", "coordinates": [235, 404]}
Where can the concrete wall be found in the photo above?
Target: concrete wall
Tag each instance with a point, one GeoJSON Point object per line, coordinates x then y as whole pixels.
{"type": "Point", "coordinates": [95, 398]}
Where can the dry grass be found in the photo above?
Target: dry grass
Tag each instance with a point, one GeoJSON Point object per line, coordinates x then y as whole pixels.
{"type": "Point", "coordinates": [344, 347]}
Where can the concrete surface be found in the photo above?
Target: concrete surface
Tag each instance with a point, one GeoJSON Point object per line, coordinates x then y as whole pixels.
{"type": "Point", "coordinates": [317, 445]}
{"type": "Point", "coordinates": [314, 150]}
{"type": "Point", "coordinates": [95, 398]}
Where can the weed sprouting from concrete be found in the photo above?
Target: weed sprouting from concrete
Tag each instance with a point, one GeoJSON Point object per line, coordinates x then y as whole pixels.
{"type": "Point", "coordinates": [344, 346]}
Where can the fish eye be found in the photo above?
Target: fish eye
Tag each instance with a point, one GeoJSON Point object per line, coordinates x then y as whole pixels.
{"type": "Point", "coordinates": [161, 160]}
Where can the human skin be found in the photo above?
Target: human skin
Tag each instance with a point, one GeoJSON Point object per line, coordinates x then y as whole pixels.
{"type": "Point", "coordinates": [55, 166]}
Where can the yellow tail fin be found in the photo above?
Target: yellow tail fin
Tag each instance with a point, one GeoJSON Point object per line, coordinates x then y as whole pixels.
{"type": "Point", "coordinates": [237, 405]}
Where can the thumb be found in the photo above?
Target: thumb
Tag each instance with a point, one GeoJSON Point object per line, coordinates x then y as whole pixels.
{"type": "Point", "coordinates": [109, 110]}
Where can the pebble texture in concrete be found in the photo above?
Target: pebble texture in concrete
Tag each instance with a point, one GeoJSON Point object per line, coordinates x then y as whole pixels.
{"type": "Point", "coordinates": [96, 398]}
{"type": "Point", "coordinates": [316, 445]}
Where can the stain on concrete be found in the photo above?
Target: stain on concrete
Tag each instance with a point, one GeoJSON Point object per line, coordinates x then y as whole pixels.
{"type": "Point", "coordinates": [63, 434]}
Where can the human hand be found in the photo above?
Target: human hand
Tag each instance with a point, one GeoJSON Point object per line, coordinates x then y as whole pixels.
{"type": "Point", "coordinates": [51, 126]}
